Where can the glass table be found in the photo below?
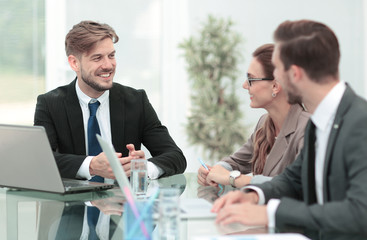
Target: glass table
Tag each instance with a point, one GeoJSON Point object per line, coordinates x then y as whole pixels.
{"type": "Point", "coordinates": [39, 215]}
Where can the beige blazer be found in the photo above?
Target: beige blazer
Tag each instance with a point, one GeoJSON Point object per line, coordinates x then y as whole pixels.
{"type": "Point", "coordinates": [286, 147]}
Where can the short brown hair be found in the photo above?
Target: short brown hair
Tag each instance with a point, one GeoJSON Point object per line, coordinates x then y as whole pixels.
{"type": "Point", "coordinates": [310, 45]}
{"type": "Point", "coordinates": [84, 35]}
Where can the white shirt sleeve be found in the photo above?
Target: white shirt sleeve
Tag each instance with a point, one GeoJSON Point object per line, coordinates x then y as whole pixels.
{"type": "Point", "coordinates": [271, 209]}
{"type": "Point", "coordinates": [154, 171]}
{"type": "Point", "coordinates": [83, 172]}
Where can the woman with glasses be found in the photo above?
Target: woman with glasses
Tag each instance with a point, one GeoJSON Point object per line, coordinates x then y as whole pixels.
{"type": "Point", "coordinates": [278, 136]}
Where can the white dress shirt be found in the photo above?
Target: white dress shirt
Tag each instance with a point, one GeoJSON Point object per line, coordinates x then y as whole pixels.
{"type": "Point", "coordinates": [103, 118]}
{"type": "Point", "coordinates": [323, 118]}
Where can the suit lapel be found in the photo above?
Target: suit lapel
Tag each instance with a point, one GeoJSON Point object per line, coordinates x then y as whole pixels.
{"type": "Point", "coordinates": [344, 105]}
{"type": "Point", "coordinates": [75, 118]}
{"type": "Point", "coordinates": [117, 113]}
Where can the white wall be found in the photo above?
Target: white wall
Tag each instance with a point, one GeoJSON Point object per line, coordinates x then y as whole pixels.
{"type": "Point", "coordinates": [150, 31]}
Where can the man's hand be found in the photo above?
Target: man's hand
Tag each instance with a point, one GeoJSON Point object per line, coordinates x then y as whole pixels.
{"type": "Point", "coordinates": [135, 154]}
{"type": "Point", "coordinates": [245, 213]}
{"type": "Point", "coordinates": [233, 198]}
{"type": "Point", "coordinates": [112, 205]}
{"type": "Point", "coordinates": [100, 166]}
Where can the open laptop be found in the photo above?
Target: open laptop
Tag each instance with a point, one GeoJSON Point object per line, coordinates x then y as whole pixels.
{"type": "Point", "coordinates": [27, 162]}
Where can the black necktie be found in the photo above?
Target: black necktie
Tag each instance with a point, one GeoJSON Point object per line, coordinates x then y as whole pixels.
{"type": "Point", "coordinates": [93, 146]}
{"type": "Point", "coordinates": [311, 165]}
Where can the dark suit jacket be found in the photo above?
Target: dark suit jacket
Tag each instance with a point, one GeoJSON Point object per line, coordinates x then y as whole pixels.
{"type": "Point", "coordinates": [133, 120]}
{"type": "Point", "coordinates": [344, 178]}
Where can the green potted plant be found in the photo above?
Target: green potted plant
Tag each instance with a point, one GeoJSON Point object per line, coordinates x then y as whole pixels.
{"type": "Point", "coordinates": [212, 65]}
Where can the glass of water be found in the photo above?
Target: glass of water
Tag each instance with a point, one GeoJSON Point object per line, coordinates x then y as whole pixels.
{"type": "Point", "coordinates": [169, 214]}
{"type": "Point", "coordinates": [139, 177]}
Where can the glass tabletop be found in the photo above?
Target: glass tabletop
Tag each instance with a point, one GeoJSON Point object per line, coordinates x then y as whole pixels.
{"type": "Point", "coordinates": [39, 215]}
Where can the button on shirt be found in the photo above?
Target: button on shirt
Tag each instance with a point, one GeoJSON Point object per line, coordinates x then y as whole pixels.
{"type": "Point", "coordinates": [103, 117]}
{"type": "Point", "coordinates": [323, 119]}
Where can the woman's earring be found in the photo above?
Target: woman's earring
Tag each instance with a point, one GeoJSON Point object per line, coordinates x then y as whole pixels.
{"type": "Point", "coordinates": [273, 95]}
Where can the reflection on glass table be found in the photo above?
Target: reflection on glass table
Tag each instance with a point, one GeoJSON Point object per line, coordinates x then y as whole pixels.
{"type": "Point", "coordinates": [36, 215]}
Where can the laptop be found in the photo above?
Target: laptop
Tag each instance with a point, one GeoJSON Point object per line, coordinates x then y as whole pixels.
{"type": "Point", "coordinates": [27, 162]}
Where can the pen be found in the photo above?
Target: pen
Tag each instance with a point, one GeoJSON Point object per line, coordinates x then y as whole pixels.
{"type": "Point", "coordinates": [219, 185]}
{"type": "Point", "coordinates": [203, 164]}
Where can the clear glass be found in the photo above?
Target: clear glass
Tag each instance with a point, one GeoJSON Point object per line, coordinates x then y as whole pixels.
{"type": "Point", "coordinates": [169, 214]}
{"type": "Point", "coordinates": [139, 224]}
{"type": "Point", "coordinates": [139, 177]}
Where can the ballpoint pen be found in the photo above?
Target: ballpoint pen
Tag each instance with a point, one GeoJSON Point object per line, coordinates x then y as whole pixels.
{"type": "Point", "coordinates": [221, 188]}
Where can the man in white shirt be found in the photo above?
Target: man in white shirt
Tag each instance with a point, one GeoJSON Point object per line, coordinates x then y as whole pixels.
{"type": "Point", "coordinates": [124, 115]}
{"type": "Point", "coordinates": [324, 189]}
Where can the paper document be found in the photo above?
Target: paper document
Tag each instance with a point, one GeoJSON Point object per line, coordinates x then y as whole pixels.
{"type": "Point", "coordinates": [196, 208]}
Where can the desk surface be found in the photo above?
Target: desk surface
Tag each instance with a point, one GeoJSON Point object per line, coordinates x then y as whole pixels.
{"type": "Point", "coordinates": [37, 215]}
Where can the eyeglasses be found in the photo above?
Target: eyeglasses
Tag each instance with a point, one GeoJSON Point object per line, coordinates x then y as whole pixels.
{"type": "Point", "coordinates": [250, 80]}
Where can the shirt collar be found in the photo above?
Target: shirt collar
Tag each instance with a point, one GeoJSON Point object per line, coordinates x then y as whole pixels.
{"type": "Point", "coordinates": [327, 108]}
{"type": "Point", "coordinates": [85, 99]}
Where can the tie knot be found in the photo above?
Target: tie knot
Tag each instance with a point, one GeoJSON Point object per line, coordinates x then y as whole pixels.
{"type": "Point", "coordinates": [93, 107]}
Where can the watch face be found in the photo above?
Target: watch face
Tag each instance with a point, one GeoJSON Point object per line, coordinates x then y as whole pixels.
{"type": "Point", "coordinates": [235, 173]}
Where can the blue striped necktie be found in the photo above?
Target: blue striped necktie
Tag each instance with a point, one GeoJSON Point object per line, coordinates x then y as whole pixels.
{"type": "Point", "coordinates": [93, 146]}
{"type": "Point", "coordinates": [93, 150]}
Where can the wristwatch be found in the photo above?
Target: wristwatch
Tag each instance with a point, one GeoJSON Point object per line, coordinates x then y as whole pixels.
{"type": "Point", "coordinates": [232, 176]}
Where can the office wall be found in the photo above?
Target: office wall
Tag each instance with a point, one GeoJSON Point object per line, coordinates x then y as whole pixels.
{"type": "Point", "coordinates": [150, 31]}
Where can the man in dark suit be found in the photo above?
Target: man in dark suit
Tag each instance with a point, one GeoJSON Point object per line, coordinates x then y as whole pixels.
{"type": "Point", "coordinates": [325, 188]}
{"type": "Point", "coordinates": [124, 115]}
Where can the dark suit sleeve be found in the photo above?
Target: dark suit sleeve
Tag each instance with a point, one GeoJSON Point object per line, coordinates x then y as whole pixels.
{"type": "Point", "coordinates": [287, 184]}
{"type": "Point", "coordinates": [345, 191]}
{"type": "Point", "coordinates": [50, 114]}
{"type": "Point", "coordinates": [156, 138]}
{"type": "Point", "coordinates": [346, 211]}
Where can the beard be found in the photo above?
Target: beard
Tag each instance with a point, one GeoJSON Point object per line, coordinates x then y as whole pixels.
{"type": "Point", "coordinates": [90, 81]}
{"type": "Point", "coordinates": [293, 95]}
{"type": "Point", "coordinates": [293, 99]}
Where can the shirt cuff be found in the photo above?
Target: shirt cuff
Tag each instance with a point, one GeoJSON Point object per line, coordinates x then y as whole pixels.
{"type": "Point", "coordinates": [154, 171]}
{"type": "Point", "coordinates": [271, 209]}
{"type": "Point", "coordinates": [83, 172]}
{"type": "Point", "coordinates": [259, 192]}
{"type": "Point", "coordinates": [225, 165]}
{"type": "Point", "coordinates": [258, 179]}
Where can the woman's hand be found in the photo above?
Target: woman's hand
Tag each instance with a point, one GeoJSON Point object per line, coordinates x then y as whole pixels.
{"type": "Point", "coordinates": [218, 175]}
{"type": "Point", "coordinates": [202, 175]}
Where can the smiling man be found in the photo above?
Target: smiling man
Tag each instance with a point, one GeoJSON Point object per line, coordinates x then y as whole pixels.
{"type": "Point", "coordinates": [93, 103]}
